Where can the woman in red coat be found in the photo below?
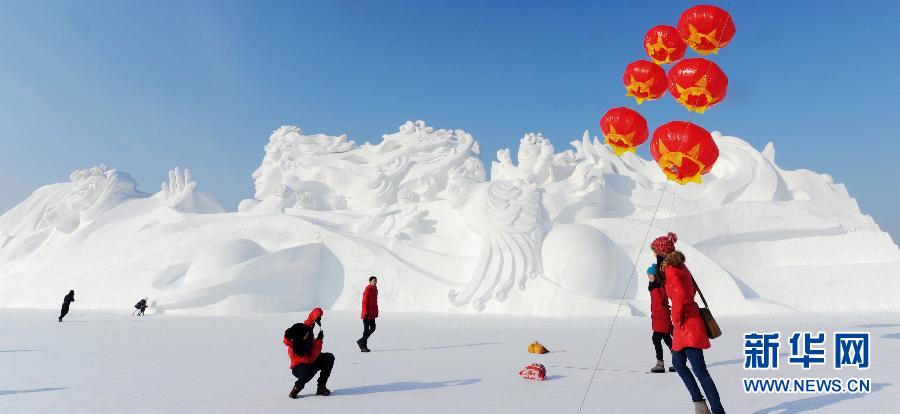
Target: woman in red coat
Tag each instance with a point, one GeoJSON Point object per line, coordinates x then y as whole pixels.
{"type": "Point", "coordinates": [369, 313]}
{"type": "Point", "coordinates": [689, 336]}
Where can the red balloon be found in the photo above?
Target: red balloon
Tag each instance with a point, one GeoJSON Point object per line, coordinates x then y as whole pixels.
{"type": "Point", "coordinates": [644, 80]}
{"type": "Point", "coordinates": [684, 151]}
{"type": "Point", "coordinates": [664, 45]}
{"type": "Point", "coordinates": [698, 84]}
{"type": "Point", "coordinates": [624, 128]}
{"type": "Point", "coordinates": [706, 29]}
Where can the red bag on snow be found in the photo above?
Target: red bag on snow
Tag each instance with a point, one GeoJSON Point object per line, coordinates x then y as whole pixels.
{"type": "Point", "coordinates": [534, 372]}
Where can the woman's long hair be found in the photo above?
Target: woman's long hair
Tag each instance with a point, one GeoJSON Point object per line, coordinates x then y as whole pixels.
{"type": "Point", "coordinates": [295, 333]}
{"type": "Point", "coordinates": [660, 274]}
{"type": "Point", "coordinates": [675, 259]}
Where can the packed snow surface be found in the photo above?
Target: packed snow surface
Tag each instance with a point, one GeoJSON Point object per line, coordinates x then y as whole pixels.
{"type": "Point", "coordinates": [105, 362]}
{"type": "Point", "coordinates": [550, 234]}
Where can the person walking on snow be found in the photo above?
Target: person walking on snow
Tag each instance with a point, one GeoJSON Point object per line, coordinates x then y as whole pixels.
{"type": "Point", "coordinates": [307, 357]}
{"type": "Point", "coordinates": [660, 314]}
{"type": "Point", "coordinates": [141, 306]}
{"type": "Point", "coordinates": [690, 337]}
{"type": "Point", "coordinates": [65, 306]}
{"type": "Point", "coordinates": [369, 313]}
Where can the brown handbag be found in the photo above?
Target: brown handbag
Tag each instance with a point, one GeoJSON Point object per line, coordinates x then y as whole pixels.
{"type": "Point", "coordinates": [712, 327]}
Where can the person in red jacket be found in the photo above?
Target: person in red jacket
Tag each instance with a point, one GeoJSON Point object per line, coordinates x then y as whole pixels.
{"type": "Point", "coordinates": [369, 313]}
{"type": "Point", "coordinates": [660, 314]}
{"type": "Point", "coordinates": [306, 355]}
{"type": "Point", "coordinates": [690, 337]}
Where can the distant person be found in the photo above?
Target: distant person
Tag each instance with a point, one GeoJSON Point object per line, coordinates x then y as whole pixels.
{"type": "Point", "coordinates": [65, 306]}
{"type": "Point", "coordinates": [307, 358]}
{"type": "Point", "coordinates": [690, 337]}
{"type": "Point", "coordinates": [660, 313]}
{"type": "Point", "coordinates": [141, 306]}
{"type": "Point", "coordinates": [369, 313]}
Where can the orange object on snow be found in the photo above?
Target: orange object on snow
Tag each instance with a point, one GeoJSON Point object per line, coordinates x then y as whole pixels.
{"type": "Point", "coordinates": [536, 348]}
{"type": "Point", "coordinates": [534, 372]}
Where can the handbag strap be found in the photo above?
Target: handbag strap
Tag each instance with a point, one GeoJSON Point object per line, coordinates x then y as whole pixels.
{"type": "Point", "coordinates": [705, 305]}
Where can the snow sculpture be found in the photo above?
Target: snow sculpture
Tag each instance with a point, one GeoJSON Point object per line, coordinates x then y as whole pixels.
{"type": "Point", "coordinates": [181, 193]}
{"type": "Point", "coordinates": [90, 193]}
{"type": "Point", "coordinates": [507, 215]}
{"type": "Point", "coordinates": [564, 228]}
{"type": "Point", "coordinates": [334, 173]}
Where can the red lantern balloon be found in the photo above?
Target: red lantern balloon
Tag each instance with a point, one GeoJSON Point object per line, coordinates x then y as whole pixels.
{"type": "Point", "coordinates": [664, 45]}
{"type": "Point", "coordinates": [684, 151]}
{"type": "Point", "coordinates": [624, 128]}
{"type": "Point", "coordinates": [706, 29]}
{"type": "Point", "coordinates": [698, 84]}
{"type": "Point", "coordinates": [644, 80]}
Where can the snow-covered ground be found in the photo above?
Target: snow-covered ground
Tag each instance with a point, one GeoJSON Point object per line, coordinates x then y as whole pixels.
{"type": "Point", "coordinates": [99, 361]}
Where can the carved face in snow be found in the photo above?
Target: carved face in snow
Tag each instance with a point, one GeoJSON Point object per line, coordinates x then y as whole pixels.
{"type": "Point", "coordinates": [266, 179]}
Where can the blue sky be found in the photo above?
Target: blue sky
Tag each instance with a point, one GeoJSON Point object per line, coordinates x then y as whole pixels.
{"type": "Point", "coordinates": [144, 86]}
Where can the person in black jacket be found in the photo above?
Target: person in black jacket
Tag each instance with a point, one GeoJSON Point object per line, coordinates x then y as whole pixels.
{"type": "Point", "coordinates": [140, 307]}
{"type": "Point", "coordinates": [65, 306]}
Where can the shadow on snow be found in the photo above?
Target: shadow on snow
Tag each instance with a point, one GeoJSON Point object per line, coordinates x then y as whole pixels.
{"type": "Point", "coordinates": [11, 392]}
{"type": "Point", "coordinates": [404, 386]}
{"type": "Point", "coordinates": [812, 404]}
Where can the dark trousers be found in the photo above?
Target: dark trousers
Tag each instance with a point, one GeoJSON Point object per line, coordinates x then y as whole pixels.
{"type": "Point", "coordinates": [698, 365]}
{"type": "Point", "coordinates": [306, 372]}
{"type": "Point", "coordinates": [658, 339]}
{"type": "Point", "coordinates": [368, 329]}
{"type": "Point", "coordinates": [63, 311]}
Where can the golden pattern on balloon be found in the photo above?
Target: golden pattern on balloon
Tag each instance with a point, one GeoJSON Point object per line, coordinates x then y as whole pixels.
{"type": "Point", "coordinates": [672, 161]}
{"type": "Point", "coordinates": [620, 143]}
{"type": "Point", "coordinates": [687, 96]}
{"type": "Point", "coordinates": [695, 41]}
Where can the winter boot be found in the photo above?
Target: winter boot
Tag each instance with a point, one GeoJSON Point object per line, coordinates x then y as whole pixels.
{"type": "Point", "coordinates": [359, 342]}
{"type": "Point", "coordinates": [659, 368]}
{"type": "Point", "coordinates": [700, 407]}
{"type": "Point", "coordinates": [671, 369]}
{"type": "Point", "coordinates": [323, 391]}
{"type": "Point", "coordinates": [294, 392]}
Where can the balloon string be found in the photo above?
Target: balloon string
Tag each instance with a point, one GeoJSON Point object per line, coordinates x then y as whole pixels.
{"type": "Point", "coordinates": [622, 299]}
{"type": "Point", "coordinates": [640, 252]}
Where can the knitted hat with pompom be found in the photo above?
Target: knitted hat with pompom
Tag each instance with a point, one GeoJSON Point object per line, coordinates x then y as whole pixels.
{"type": "Point", "coordinates": [664, 245]}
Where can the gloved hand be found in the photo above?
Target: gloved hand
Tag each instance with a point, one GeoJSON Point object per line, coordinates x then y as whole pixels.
{"type": "Point", "coordinates": [321, 335]}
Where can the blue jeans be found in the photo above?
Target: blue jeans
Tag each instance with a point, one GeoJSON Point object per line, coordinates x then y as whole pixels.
{"type": "Point", "coordinates": [698, 365]}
